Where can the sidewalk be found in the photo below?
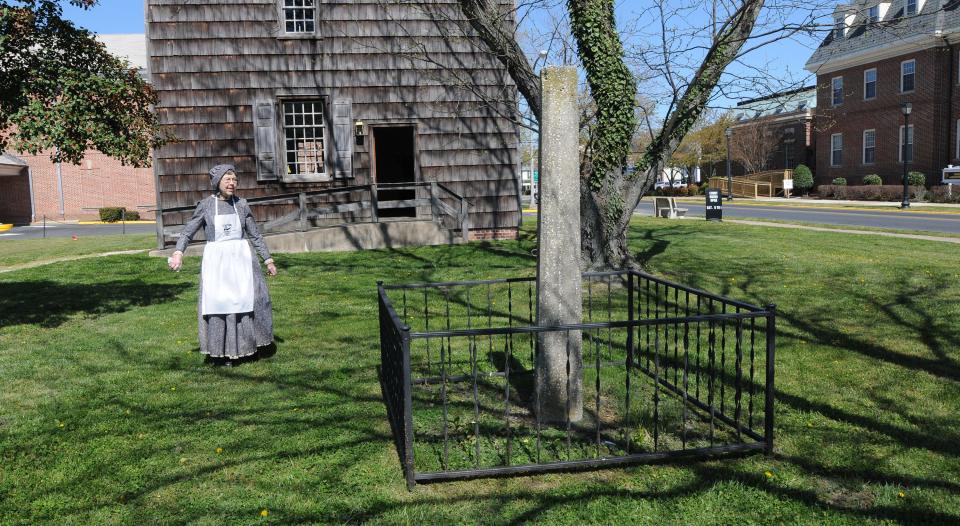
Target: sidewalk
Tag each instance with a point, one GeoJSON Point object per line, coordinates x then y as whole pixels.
{"type": "Point", "coordinates": [804, 201]}
{"type": "Point", "coordinates": [844, 230]}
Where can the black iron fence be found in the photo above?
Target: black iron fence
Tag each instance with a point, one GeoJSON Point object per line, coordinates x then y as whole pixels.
{"type": "Point", "coordinates": [668, 371]}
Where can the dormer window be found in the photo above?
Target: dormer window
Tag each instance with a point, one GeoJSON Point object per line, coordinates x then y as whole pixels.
{"type": "Point", "coordinates": [838, 26]}
{"type": "Point", "coordinates": [911, 7]}
{"type": "Point", "coordinates": [873, 14]}
{"type": "Point", "coordinates": [299, 17]}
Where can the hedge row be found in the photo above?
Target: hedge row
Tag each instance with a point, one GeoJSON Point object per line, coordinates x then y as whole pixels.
{"type": "Point", "coordinates": [112, 214]}
{"type": "Point", "coordinates": [886, 192]}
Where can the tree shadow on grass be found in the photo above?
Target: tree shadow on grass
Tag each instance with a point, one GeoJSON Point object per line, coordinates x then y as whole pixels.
{"type": "Point", "coordinates": [49, 304]}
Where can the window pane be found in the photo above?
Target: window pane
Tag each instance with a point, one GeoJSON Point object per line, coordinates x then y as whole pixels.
{"type": "Point", "coordinates": [303, 129]}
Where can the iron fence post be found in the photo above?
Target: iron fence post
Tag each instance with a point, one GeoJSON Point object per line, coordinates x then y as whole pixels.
{"type": "Point", "coordinates": [407, 406]}
{"type": "Point", "coordinates": [768, 402]}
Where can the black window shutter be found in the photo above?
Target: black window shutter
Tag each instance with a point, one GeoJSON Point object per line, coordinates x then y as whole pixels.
{"type": "Point", "coordinates": [265, 139]}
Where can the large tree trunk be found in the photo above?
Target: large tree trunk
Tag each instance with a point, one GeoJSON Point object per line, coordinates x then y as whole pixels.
{"type": "Point", "coordinates": [608, 197]}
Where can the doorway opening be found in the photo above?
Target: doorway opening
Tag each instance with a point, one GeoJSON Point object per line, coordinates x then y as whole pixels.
{"type": "Point", "coordinates": [393, 150]}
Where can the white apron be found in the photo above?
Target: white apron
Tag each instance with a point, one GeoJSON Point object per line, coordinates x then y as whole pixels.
{"type": "Point", "coordinates": [227, 268]}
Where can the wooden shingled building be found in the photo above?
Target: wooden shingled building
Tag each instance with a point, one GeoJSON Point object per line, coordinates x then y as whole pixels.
{"type": "Point", "coordinates": [334, 111]}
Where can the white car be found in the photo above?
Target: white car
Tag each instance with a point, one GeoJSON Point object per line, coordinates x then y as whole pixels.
{"type": "Point", "coordinates": [666, 184]}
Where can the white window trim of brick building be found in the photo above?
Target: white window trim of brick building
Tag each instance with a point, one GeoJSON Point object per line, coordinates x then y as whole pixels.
{"type": "Point", "coordinates": [866, 96]}
{"type": "Point", "coordinates": [913, 75]}
{"type": "Point", "coordinates": [836, 91]}
{"type": "Point", "coordinates": [901, 148]}
{"type": "Point", "coordinates": [836, 149]}
{"type": "Point", "coordinates": [872, 146]}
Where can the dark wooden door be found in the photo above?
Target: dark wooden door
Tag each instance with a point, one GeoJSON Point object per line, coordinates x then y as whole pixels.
{"type": "Point", "coordinates": [395, 157]}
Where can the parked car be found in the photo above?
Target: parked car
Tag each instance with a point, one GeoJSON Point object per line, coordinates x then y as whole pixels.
{"type": "Point", "coordinates": [659, 185]}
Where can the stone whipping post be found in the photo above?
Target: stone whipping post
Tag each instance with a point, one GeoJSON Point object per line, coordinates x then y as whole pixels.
{"type": "Point", "coordinates": [559, 295]}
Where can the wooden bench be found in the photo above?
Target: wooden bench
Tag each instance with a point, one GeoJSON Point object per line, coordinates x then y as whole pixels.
{"type": "Point", "coordinates": [667, 207]}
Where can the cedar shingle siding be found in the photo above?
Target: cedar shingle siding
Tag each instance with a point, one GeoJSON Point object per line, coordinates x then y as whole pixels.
{"type": "Point", "coordinates": [223, 68]}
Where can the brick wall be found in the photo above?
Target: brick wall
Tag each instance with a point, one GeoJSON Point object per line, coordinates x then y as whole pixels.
{"type": "Point", "coordinates": [934, 108]}
{"type": "Point", "coordinates": [99, 181]}
{"type": "Point", "coordinates": [15, 199]}
{"type": "Point", "coordinates": [499, 233]}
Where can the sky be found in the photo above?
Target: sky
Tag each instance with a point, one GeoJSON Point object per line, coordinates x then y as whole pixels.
{"type": "Point", "coordinates": [109, 16]}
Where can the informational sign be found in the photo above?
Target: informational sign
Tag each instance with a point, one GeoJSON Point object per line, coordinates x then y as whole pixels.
{"type": "Point", "coordinates": [714, 205]}
{"type": "Point", "coordinates": [788, 184]}
{"type": "Point", "coordinates": [951, 175]}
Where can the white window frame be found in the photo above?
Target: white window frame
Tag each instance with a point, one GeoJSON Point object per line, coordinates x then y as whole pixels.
{"type": "Point", "coordinates": [874, 70]}
{"type": "Point", "coordinates": [863, 157]}
{"type": "Point", "coordinates": [833, 149]}
{"type": "Point", "coordinates": [289, 132]}
{"type": "Point", "coordinates": [903, 75]}
{"type": "Point", "coordinates": [833, 91]}
{"type": "Point", "coordinates": [873, 14]}
{"type": "Point", "coordinates": [305, 5]}
{"type": "Point", "coordinates": [900, 145]}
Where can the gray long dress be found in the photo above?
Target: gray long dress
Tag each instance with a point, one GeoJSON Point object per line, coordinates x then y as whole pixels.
{"type": "Point", "coordinates": [233, 335]}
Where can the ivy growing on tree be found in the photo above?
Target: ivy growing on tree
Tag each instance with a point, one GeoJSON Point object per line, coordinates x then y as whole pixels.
{"type": "Point", "coordinates": [61, 91]}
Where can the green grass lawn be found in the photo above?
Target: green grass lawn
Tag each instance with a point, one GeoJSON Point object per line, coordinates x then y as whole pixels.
{"type": "Point", "coordinates": [18, 252]}
{"type": "Point", "coordinates": [108, 414]}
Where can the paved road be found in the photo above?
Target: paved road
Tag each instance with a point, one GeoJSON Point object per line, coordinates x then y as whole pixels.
{"type": "Point", "coordinates": [927, 221]}
{"type": "Point", "coordinates": [68, 229]}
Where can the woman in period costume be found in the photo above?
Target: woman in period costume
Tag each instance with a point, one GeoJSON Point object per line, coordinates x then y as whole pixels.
{"type": "Point", "coordinates": [234, 312]}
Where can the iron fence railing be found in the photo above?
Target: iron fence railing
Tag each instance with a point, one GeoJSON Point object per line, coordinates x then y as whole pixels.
{"type": "Point", "coordinates": [354, 204]}
{"type": "Point", "coordinates": [668, 371]}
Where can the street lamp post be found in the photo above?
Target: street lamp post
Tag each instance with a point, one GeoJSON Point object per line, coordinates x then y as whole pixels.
{"type": "Point", "coordinates": [906, 107]}
{"type": "Point", "coordinates": [728, 132]}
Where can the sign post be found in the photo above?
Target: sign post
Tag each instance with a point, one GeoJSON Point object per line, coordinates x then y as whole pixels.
{"type": "Point", "coordinates": [787, 186]}
{"type": "Point", "coordinates": [951, 176]}
{"type": "Point", "coordinates": [714, 205]}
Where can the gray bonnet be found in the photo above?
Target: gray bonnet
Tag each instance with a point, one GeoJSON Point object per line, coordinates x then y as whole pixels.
{"type": "Point", "coordinates": [217, 173]}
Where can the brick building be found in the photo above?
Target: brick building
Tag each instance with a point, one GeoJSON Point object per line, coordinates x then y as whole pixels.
{"type": "Point", "coordinates": [774, 132]}
{"type": "Point", "coordinates": [879, 56]}
{"type": "Point", "coordinates": [32, 186]}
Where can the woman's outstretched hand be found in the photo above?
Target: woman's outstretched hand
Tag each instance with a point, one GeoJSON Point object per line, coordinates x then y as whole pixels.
{"type": "Point", "coordinates": [175, 261]}
{"type": "Point", "coordinates": [271, 268]}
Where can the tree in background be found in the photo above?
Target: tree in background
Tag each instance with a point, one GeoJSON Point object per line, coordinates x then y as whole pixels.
{"type": "Point", "coordinates": [803, 178]}
{"type": "Point", "coordinates": [61, 90]}
{"type": "Point", "coordinates": [704, 146]}
{"type": "Point", "coordinates": [752, 145]}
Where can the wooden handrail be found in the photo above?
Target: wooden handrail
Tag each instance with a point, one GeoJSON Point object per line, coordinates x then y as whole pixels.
{"type": "Point", "coordinates": [304, 213]}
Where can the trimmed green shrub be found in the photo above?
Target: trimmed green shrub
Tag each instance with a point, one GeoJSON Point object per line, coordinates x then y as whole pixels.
{"type": "Point", "coordinates": [112, 214]}
{"type": "Point", "coordinates": [872, 180]}
{"type": "Point", "coordinates": [916, 179]}
{"type": "Point", "coordinates": [802, 178]}
{"type": "Point", "coordinates": [839, 181]}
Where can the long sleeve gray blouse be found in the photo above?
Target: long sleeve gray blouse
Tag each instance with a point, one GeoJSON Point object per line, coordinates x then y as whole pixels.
{"type": "Point", "coordinates": [203, 216]}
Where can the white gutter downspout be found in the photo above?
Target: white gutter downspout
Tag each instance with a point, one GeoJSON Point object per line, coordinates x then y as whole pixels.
{"type": "Point", "coordinates": [60, 184]}
{"type": "Point", "coordinates": [33, 208]}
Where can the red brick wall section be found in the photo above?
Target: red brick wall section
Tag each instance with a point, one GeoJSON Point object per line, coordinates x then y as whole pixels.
{"type": "Point", "coordinates": [99, 181]}
{"type": "Point", "coordinates": [15, 199]}
{"type": "Point", "coordinates": [932, 99]}
{"type": "Point", "coordinates": [490, 234]}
